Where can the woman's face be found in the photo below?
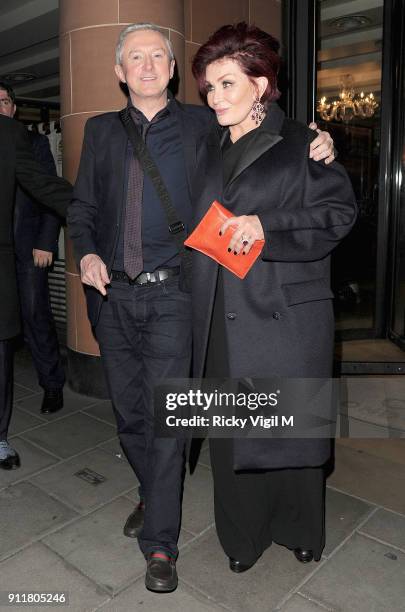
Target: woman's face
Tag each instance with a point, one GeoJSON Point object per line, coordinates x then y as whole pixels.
{"type": "Point", "coordinates": [231, 93]}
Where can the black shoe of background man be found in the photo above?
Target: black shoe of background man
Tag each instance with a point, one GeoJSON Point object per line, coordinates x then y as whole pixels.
{"type": "Point", "coordinates": [10, 458]}
{"type": "Point", "coordinates": [52, 401]}
{"type": "Point", "coordinates": [161, 574]}
{"type": "Point", "coordinates": [134, 524]}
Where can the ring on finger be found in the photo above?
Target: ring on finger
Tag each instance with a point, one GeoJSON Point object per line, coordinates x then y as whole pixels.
{"type": "Point", "coordinates": [245, 239]}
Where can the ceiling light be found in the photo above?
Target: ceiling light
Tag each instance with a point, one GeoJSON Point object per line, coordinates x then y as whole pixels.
{"type": "Point", "coordinates": [350, 22]}
{"type": "Point", "coordinates": [18, 77]}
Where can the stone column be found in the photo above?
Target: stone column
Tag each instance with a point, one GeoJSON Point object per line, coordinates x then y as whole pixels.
{"type": "Point", "coordinates": [89, 30]}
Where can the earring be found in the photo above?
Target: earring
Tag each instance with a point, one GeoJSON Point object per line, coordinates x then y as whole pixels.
{"type": "Point", "coordinates": [257, 111]}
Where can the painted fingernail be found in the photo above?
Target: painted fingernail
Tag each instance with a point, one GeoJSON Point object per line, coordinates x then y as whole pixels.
{"type": "Point", "coordinates": [235, 253]}
{"type": "Point", "coordinates": [220, 233]}
{"type": "Point", "coordinates": [243, 253]}
{"type": "Point", "coordinates": [229, 250]}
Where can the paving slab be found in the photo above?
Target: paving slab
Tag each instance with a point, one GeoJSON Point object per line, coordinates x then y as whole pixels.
{"type": "Point", "coordinates": [72, 402]}
{"type": "Point", "coordinates": [298, 603]}
{"type": "Point", "coordinates": [38, 569]}
{"type": "Point", "coordinates": [363, 575]}
{"type": "Point", "coordinates": [386, 526]}
{"type": "Point", "coordinates": [374, 400]}
{"type": "Point", "coordinates": [21, 421]}
{"type": "Point", "coordinates": [393, 449]}
{"type": "Point", "coordinates": [102, 410]}
{"type": "Point", "coordinates": [137, 597]}
{"type": "Point", "coordinates": [26, 514]}
{"type": "Point", "coordinates": [88, 480]}
{"type": "Point", "coordinates": [70, 435]}
{"type": "Point", "coordinates": [33, 460]}
{"type": "Point", "coordinates": [198, 500]}
{"type": "Point", "coordinates": [113, 447]}
{"type": "Point", "coordinates": [343, 514]}
{"type": "Point", "coordinates": [374, 479]}
{"type": "Point", "coordinates": [20, 391]}
{"type": "Point", "coordinates": [205, 567]}
{"type": "Point", "coordinates": [96, 546]}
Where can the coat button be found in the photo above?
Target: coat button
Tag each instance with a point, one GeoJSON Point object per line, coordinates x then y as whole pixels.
{"type": "Point", "coordinates": [276, 315]}
{"type": "Point", "coordinates": [231, 315]}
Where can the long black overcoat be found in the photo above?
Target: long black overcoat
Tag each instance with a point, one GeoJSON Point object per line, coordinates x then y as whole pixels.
{"type": "Point", "coordinates": [279, 319]}
{"type": "Point", "coordinates": [18, 164]}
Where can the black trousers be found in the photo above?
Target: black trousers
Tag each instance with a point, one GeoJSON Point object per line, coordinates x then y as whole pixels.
{"type": "Point", "coordinates": [253, 509]}
{"type": "Point", "coordinates": [144, 333]}
{"type": "Point", "coordinates": [38, 324]}
{"type": "Point", "coordinates": [6, 386]}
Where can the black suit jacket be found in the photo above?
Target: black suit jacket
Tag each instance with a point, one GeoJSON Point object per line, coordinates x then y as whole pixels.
{"type": "Point", "coordinates": [95, 214]}
{"type": "Point", "coordinates": [279, 319]}
{"type": "Point", "coordinates": [35, 226]}
{"type": "Point", "coordinates": [17, 163]}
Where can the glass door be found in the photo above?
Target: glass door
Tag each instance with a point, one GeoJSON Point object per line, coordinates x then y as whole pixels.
{"type": "Point", "coordinates": [397, 327]}
{"type": "Point", "coordinates": [348, 105]}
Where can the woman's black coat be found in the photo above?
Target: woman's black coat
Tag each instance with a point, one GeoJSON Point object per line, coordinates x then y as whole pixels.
{"type": "Point", "coordinates": [279, 319]}
{"type": "Point", "coordinates": [18, 164]}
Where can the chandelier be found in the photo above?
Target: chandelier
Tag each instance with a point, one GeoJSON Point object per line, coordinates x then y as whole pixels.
{"type": "Point", "coordinates": [348, 105]}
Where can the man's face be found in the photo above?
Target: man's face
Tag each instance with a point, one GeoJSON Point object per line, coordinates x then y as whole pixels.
{"type": "Point", "coordinates": [146, 66]}
{"type": "Point", "coordinates": [7, 107]}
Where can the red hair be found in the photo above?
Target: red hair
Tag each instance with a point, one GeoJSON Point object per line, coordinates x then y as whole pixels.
{"type": "Point", "coordinates": [255, 51]}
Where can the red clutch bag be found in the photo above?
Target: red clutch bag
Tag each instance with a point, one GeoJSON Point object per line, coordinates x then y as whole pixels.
{"type": "Point", "coordinates": [206, 239]}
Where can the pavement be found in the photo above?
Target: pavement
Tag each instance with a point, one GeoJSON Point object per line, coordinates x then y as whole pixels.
{"type": "Point", "coordinates": [63, 511]}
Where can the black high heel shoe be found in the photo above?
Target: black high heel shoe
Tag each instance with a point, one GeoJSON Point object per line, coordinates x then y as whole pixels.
{"type": "Point", "coordinates": [303, 555]}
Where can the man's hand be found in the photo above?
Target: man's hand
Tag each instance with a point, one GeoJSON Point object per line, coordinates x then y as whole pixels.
{"type": "Point", "coordinates": [322, 146]}
{"type": "Point", "coordinates": [94, 272]}
{"type": "Point", "coordinates": [42, 259]}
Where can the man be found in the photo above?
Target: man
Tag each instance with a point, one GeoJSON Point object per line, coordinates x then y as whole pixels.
{"type": "Point", "coordinates": [36, 232]}
{"type": "Point", "coordinates": [121, 239]}
{"type": "Point", "coordinates": [17, 164]}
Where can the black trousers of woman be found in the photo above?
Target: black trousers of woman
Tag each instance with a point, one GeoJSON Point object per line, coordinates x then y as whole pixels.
{"type": "Point", "coordinates": [253, 509]}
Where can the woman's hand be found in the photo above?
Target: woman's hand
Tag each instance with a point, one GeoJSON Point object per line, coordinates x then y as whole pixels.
{"type": "Point", "coordinates": [322, 147]}
{"type": "Point", "coordinates": [247, 229]}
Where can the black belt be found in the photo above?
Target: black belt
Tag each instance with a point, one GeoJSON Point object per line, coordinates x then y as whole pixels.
{"type": "Point", "coordinates": [144, 278]}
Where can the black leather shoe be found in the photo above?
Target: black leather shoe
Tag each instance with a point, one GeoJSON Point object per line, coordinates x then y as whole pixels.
{"type": "Point", "coordinates": [52, 401]}
{"type": "Point", "coordinates": [238, 567]}
{"type": "Point", "coordinates": [134, 524]}
{"type": "Point", "coordinates": [161, 574]}
{"type": "Point", "coordinates": [305, 556]}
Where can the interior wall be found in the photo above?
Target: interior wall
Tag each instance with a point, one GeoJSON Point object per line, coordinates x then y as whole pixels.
{"type": "Point", "coordinates": [203, 17]}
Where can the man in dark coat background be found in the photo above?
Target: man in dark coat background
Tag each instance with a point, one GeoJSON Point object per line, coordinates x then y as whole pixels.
{"type": "Point", "coordinates": [17, 163]}
{"type": "Point", "coordinates": [36, 233]}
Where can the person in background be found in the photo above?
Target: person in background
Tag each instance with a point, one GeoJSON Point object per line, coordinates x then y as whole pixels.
{"type": "Point", "coordinates": [278, 320]}
{"type": "Point", "coordinates": [17, 164]}
{"type": "Point", "coordinates": [36, 233]}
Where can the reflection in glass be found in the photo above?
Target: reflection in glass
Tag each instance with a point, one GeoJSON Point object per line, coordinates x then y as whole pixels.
{"type": "Point", "coordinates": [348, 95]}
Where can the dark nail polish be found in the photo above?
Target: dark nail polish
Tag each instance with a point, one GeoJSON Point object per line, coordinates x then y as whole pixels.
{"type": "Point", "coordinates": [229, 250]}
{"type": "Point", "coordinates": [243, 253]}
{"type": "Point", "coordinates": [235, 253]}
{"type": "Point", "coordinates": [220, 233]}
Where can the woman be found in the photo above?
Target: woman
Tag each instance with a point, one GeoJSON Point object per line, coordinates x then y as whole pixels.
{"type": "Point", "coordinates": [278, 321]}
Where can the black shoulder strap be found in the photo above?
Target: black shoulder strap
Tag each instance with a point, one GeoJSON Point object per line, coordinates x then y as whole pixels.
{"type": "Point", "coordinates": [176, 227]}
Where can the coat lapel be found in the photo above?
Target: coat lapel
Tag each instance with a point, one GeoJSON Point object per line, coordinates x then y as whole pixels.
{"type": "Point", "coordinates": [266, 137]}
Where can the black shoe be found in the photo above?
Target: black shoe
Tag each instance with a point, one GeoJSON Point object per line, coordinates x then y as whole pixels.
{"type": "Point", "coordinates": [11, 460]}
{"type": "Point", "coordinates": [238, 567]}
{"type": "Point", "coordinates": [303, 555]}
{"type": "Point", "coordinates": [52, 401]}
{"type": "Point", "coordinates": [161, 575]}
{"type": "Point", "coordinates": [134, 524]}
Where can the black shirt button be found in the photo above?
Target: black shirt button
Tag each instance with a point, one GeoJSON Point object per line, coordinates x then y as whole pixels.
{"type": "Point", "coordinates": [231, 315]}
{"type": "Point", "coordinates": [276, 315]}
